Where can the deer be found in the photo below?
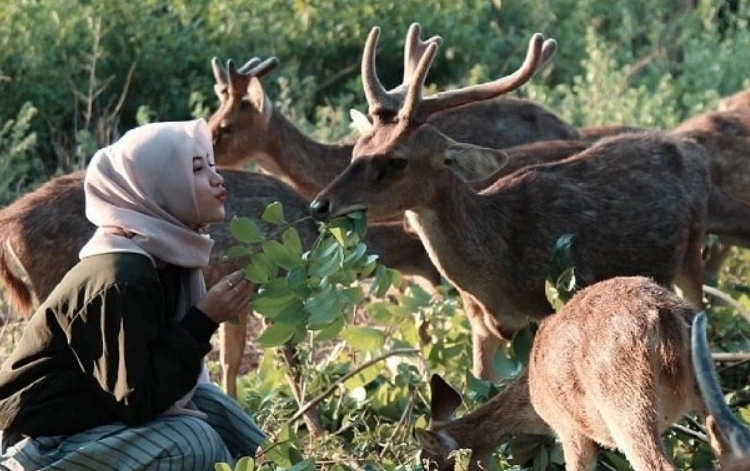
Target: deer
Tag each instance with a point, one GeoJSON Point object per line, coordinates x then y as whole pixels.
{"type": "Point", "coordinates": [614, 368]}
{"type": "Point", "coordinates": [247, 128]}
{"type": "Point", "coordinates": [494, 245]}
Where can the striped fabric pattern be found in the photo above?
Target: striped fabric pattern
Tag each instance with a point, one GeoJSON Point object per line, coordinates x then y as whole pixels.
{"type": "Point", "coordinates": [176, 442]}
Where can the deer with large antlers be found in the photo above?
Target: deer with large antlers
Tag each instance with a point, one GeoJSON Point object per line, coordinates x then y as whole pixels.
{"type": "Point", "coordinates": [247, 128]}
{"type": "Point", "coordinates": [615, 367]}
{"type": "Point", "coordinates": [635, 204]}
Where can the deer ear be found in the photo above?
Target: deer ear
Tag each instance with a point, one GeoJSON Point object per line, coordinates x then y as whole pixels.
{"type": "Point", "coordinates": [360, 122]}
{"type": "Point", "coordinates": [472, 162]}
{"type": "Point", "coordinates": [445, 400]}
{"type": "Point", "coordinates": [259, 99]}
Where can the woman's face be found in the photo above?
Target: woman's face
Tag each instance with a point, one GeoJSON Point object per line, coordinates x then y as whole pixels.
{"type": "Point", "coordinates": [209, 192]}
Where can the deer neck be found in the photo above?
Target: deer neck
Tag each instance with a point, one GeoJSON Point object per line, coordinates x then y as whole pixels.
{"type": "Point", "coordinates": [303, 163]}
{"type": "Point", "coordinates": [460, 230]}
{"type": "Point", "coordinates": [487, 427]}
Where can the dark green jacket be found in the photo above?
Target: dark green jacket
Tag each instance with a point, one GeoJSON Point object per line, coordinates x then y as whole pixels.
{"type": "Point", "coordinates": [104, 347]}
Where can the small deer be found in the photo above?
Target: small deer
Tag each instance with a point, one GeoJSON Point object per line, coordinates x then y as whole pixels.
{"type": "Point", "coordinates": [615, 367]}
{"type": "Point", "coordinates": [636, 204]}
{"type": "Point", "coordinates": [481, 430]}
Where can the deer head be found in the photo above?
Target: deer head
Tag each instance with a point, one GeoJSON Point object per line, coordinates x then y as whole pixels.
{"type": "Point", "coordinates": [395, 162]}
{"type": "Point", "coordinates": [730, 439]}
{"type": "Point", "coordinates": [243, 105]}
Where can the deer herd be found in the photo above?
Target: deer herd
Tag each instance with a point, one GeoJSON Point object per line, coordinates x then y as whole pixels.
{"type": "Point", "coordinates": [475, 188]}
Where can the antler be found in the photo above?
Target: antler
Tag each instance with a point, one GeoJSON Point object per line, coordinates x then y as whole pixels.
{"type": "Point", "coordinates": [378, 98]}
{"type": "Point", "coordinates": [539, 52]}
{"type": "Point", "coordinates": [237, 80]}
{"type": "Point", "coordinates": [735, 433]}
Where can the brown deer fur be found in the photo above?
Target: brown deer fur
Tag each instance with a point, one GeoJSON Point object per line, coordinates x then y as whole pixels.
{"type": "Point", "coordinates": [636, 205]}
{"type": "Point", "coordinates": [613, 368]}
{"type": "Point", "coordinates": [46, 229]}
{"type": "Point", "coordinates": [481, 430]}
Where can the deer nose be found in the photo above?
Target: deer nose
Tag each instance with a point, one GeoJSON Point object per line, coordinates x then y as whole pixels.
{"type": "Point", "coordinates": [319, 209]}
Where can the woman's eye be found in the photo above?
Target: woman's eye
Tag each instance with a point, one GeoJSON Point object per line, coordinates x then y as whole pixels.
{"type": "Point", "coordinates": [197, 169]}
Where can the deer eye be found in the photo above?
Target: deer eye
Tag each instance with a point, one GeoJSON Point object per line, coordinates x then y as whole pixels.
{"type": "Point", "coordinates": [226, 129]}
{"type": "Point", "coordinates": [396, 165]}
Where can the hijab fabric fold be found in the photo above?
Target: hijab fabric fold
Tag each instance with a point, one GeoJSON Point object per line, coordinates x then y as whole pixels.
{"type": "Point", "coordinates": [139, 191]}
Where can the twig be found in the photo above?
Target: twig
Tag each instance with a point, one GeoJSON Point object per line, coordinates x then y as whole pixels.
{"type": "Point", "coordinates": [338, 382]}
{"type": "Point", "coordinates": [401, 424]}
{"type": "Point", "coordinates": [722, 296]}
{"type": "Point", "coordinates": [690, 432]}
{"type": "Point", "coordinates": [294, 378]}
{"type": "Point", "coordinates": [738, 356]}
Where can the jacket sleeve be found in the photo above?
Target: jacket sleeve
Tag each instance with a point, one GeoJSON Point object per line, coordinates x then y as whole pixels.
{"type": "Point", "coordinates": [137, 358]}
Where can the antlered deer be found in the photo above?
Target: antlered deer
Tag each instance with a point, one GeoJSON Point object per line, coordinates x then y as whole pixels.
{"type": "Point", "coordinates": [636, 204]}
{"type": "Point", "coordinates": [614, 367]}
{"type": "Point", "coordinates": [247, 128]}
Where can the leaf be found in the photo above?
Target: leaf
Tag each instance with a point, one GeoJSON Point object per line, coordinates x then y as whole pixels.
{"type": "Point", "coordinates": [363, 378]}
{"type": "Point", "coordinates": [521, 344]}
{"type": "Point", "coordinates": [504, 366]}
{"type": "Point", "coordinates": [245, 230]}
{"type": "Point", "coordinates": [245, 464]}
{"type": "Point", "coordinates": [237, 251]}
{"type": "Point", "coordinates": [276, 335]}
{"type": "Point", "coordinates": [274, 213]}
{"type": "Point", "coordinates": [331, 330]}
{"type": "Point", "coordinates": [281, 256]}
{"type": "Point", "coordinates": [326, 265]}
{"type": "Point", "coordinates": [323, 307]}
{"type": "Point", "coordinates": [364, 339]}
{"type": "Point", "coordinates": [276, 288]}
{"type": "Point", "coordinates": [291, 240]}
{"type": "Point", "coordinates": [382, 281]}
{"type": "Point", "coordinates": [305, 465]}
{"type": "Point", "coordinates": [222, 467]}
{"type": "Point", "coordinates": [338, 234]}
{"type": "Point", "coordinates": [271, 307]}
{"type": "Point", "coordinates": [297, 281]}
{"type": "Point", "coordinates": [261, 269]}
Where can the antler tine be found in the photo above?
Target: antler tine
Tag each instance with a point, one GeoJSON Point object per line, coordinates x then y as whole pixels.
{"type": "Point", "coordinates": [416, 85]}
{"type": "Point", "coordinates": [261, 68]}
{"type": "Point", "coordinates": [249, 65]}
{"type": "Point", "coordinates": [549, 48]}
{"type": "Point", "coordinates": [414, 49]}
{"type": "Point", "coordinates": [232, 75]}
{"type": "Point", "coordinates": [736, 434]}
{"type": "Point", "coordinates": [377, 97]}
{"type": "Point", "coordinates": [219, 74]}
{"type": "Point", "coordinates": [488, 90]}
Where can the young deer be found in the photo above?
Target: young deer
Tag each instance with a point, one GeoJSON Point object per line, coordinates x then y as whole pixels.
{"type": "Point", "coordinates": [615, 367]}
{"type": "Point", "coordinates": [247, 128]}
{"type": "Point", "coordinates": [481, 430]}
{"type": "Point", "coordinates": [636, 204]}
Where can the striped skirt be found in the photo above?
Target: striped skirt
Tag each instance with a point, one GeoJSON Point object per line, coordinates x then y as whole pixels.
{"type": "Point", "coordinates": [175, 442]}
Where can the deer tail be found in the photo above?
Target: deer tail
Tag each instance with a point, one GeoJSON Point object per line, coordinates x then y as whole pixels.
{"type": "Point", "coordinates": [17, 291]}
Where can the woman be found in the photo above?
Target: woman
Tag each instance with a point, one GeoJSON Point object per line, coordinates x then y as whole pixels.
{"type": "Point", "coordinates": [109, 373]}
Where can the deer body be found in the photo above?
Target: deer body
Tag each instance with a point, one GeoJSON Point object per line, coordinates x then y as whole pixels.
{"type": "Point", "coordinates": [635, 204]}
{"type": "Point", "coordinates": [613, 368]}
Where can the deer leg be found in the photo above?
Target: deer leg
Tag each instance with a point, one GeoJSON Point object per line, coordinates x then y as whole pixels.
{"type": "Point", "coordinates": [578, 449]}
{"type": "Point", "coordinates": [232, 338]}
{"type": "Point", "coordinates": [713, 260]}
{"type": "Point", "coordinates": [483, 341]}
{"type": "Point", "coordinates": [690, 276]}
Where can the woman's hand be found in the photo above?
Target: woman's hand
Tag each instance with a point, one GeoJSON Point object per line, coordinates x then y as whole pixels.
{"type": "Point", "coordinates": [228, 298]}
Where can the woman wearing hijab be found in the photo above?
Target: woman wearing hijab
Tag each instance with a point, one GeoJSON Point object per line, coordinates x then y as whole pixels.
{"type": "Point", "coordinates": [109, 373]}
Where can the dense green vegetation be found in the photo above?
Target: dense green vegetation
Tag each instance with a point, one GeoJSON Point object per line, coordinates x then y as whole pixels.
{"type": "Point", "coordinates": [74, 75]}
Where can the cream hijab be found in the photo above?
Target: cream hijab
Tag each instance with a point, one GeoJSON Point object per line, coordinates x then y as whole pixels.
{"type": "Point", "coordinates": [138, 192]}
